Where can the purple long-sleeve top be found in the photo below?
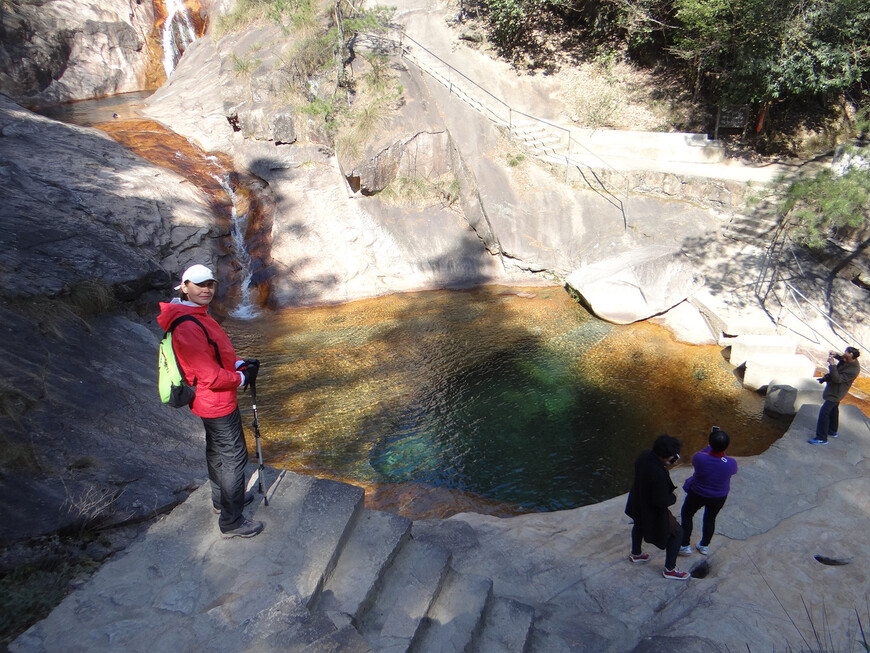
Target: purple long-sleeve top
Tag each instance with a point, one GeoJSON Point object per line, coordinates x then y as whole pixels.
{"type": "Point", "coordinates": [712, 477]}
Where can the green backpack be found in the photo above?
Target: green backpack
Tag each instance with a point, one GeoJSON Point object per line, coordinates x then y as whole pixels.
{"type": "Point", "coordinates": [174, 390]}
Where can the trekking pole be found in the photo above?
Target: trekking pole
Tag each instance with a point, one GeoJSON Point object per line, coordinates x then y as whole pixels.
{"type": "Point", "coordinates": [256, 425]}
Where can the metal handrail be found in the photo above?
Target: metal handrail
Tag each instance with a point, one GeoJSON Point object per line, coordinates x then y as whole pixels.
{"type": "Point", "coordinates": [821, 312]}
{"type": "Point", "coordinates": [781, 237]}
{"type": "Point", "coordinates": [509, 122]}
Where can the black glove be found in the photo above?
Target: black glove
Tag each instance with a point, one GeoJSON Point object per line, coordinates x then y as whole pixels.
{"type": "Point", "coordinates": [249, 368]}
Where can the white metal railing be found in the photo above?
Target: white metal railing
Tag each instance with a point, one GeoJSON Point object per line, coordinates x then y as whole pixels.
{"type": "Point", "coordinates": [503, 114]}
{"type": "Point", "coordinates": [777, 280]}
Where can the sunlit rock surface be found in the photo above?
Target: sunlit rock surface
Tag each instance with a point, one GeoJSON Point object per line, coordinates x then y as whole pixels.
{"type": "Point", "coordinates": [636, 285]}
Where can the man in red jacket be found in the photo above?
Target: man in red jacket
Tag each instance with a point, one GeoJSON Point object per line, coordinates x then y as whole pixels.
{"type": "Point", "coordinates": [208, 362]}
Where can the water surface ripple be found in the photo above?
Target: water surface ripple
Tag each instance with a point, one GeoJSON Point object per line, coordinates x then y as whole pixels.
{"type": "Point", "coordinates": [498, 400]}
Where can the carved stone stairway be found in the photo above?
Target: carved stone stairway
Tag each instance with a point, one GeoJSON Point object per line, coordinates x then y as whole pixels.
{"type": "Point", "coordinates": [326, 574]}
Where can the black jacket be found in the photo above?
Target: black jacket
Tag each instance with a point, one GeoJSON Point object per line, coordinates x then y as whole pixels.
{"type": "Point", "coordinates": [649, 498]}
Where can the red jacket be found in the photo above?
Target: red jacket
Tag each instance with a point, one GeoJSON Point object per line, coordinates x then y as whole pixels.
{"type": "Point", "coordinates": [215, 384]}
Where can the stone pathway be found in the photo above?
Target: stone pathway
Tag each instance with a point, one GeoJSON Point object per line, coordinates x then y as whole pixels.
{"type": "Point", "coordinates": [328, 575]}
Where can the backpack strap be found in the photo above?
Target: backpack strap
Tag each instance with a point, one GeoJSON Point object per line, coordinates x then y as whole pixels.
{"type": "Point", "coordinates": [191, 318]}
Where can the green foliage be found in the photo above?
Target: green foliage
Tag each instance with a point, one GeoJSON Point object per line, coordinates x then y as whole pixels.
{"type": "Point", "coordinates": [244, 66]}
{"type": "Point", "coordinates": [323, 108]}
{"type": "Point", "coordinates": [307, 58]}
{"type": "Point", "coordinates": [376, 96]}
{"type": "Point", "coordinates": [244, 13]}
{"type": "Point", "coordinates": [508, 21]}
{"type": "Point", "coordinates": [730, 52]}
{"type": "Point", "coordinates": [511, 20]}
{"type": "Point", "coordinates": [820, 204]}
{"type": "Point", "coordinates": [758, 51]}
{"type": "Point", "coordinates": [515, 160]}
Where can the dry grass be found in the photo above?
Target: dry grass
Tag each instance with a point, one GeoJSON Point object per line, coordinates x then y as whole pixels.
{"type": "Point", "coordinates": [617, 95]}
{"type": "Point", "coordinates": [419, 192]}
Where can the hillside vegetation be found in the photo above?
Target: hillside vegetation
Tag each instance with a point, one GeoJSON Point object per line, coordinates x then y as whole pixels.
{"type": "Point", "coordinates": [777, 69]}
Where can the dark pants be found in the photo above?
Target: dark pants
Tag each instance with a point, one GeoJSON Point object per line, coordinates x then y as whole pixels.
{"type": "Point", "coordinates": [672, 548]}
{"type": "Point", "coordinates": [693, 503]}
{"type": "Point", "coordinates": [829, 419]}
{"type": "Point", "coordinates": [226, 456]}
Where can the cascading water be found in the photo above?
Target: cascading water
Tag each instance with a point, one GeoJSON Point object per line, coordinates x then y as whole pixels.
{"type": "Point", "coordinates": [178, 34]}
{"type": "Point", "coordinates": [246, 308]}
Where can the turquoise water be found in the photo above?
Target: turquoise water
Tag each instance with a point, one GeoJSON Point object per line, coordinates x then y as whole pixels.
{"type": "Point", "coordinates": [516, 428]}
{"type": "Point", "coordinates": [513, 398]}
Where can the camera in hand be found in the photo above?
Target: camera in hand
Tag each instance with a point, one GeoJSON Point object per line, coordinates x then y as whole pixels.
{"type": "Point", "coordinates": [824, 379]}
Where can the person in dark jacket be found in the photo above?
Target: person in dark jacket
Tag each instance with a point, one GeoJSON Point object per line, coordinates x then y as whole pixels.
{"type": "Point", "coordinates": [842, 372]}
{"type": "Point", "coordinates": [208, 361]}
{"type": "Point", "coordinates": [651, 495]}
{"type": "Point", "coordinates": [707, 488]}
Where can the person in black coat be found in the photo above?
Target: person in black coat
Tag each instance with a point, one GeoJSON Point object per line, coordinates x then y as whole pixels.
{"type": "Point", "coordinates": [652, 493]}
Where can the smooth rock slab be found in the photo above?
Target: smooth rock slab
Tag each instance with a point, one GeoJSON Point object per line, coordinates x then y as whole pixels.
{"type": "Point", "coordinates": [636, 284]}
{"type": "Point", "coordinates": [746, 347]}
{"type": "Point", "coordinates": [763, 368]}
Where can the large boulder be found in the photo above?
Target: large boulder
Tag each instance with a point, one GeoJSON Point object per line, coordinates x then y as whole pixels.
{"type": "Point", "coordinates": [87, 208]}
{"type": "Point", "coordinates": [226, 92]}
{"type": "Point", "coordinates": [786, 396]}
{"type": "Point", "coordinates": [636, 284]}
{"type": "Point", "coordinates": [67, 50]}
{"type": "Point", "coordinates": [87, 227]}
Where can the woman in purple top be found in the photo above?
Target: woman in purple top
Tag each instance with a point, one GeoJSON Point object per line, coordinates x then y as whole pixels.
{"type": "Point", "coordinates": [708, 488]}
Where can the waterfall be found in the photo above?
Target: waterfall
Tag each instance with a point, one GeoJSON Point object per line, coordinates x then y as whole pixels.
{"type": "Point", "coordinates": [246, 308]}
{"type": "Point", "coordinates": [178, 34]}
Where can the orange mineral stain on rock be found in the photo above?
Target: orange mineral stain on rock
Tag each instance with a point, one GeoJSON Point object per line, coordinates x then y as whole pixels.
{"type": "Point", "coordinates": [212, 174]}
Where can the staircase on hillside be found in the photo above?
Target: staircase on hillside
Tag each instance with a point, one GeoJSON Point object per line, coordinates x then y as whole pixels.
{"type": "Point", "coordinates": [758, 228]}
{"type": "Point", "coordinates": [325, 574]}
{"type": "Point", "coordinates": [544, 140]}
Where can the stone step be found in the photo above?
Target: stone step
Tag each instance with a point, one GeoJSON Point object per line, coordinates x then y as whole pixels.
{"type": "Point", "coordinates": [507, 626]}
{"type": "Point", "coordinates": [786, 396]}
{"type": "Point", "coordinates": [182, 584]}
{"type": "Point", "coordinates": [760, 231]}
{"type": "Point", "coordinates": [409, 587]}
{"type": "Point", "coordinates": [456, 617]}
{"type": "Point", "coordinates": [718, 309]}
{"type": "Point", "coordinates": [373, 544]}
{"type": "Point", "coordinates": [745, 347]}
{"type": "Point", "coordinates": [761, 369]}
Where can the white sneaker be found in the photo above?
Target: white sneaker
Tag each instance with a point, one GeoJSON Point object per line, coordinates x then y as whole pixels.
{"type": "Point", "coordinates": [703, 550]}
{"type": "Point", "coordinates": [687, 550]}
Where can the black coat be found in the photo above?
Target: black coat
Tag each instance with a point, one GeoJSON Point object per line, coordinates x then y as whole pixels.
{"type": "Point", "coordinates": [649, 498]}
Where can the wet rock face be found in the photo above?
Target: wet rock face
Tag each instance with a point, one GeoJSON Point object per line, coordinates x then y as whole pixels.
{"type": "Point", "coordinates": [60, 51]}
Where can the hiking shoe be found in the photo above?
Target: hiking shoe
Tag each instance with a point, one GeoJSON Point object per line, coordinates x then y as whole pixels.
{"type": "Point", "coordinates": [817, 441]}
{"type": "Point", "coordinates": [640, 557]}
{"type": "Point", "coordinates": [687, 550]}
{"type": "Point", "coordinates": [247, 528]}
{"type": "Point", "coordinates": [676, 574]}
{"type": "Point", "coordinates": [833, 435]}
{"type": "Point", "coordinates": [703, 550]}
{"type": "Point", "coordinates": [249, 498]}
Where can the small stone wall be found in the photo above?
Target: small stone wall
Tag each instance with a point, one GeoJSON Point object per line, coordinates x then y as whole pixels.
{"type": "Point", "coordinates": [725, 194]}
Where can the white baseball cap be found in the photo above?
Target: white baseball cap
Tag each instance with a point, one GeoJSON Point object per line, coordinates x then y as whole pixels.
{"type": "Point", "coordinates": [196, 273]}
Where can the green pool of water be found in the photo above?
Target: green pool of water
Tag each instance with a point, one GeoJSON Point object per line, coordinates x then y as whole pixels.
{"type": "Point", "coordinates": [515, 396]}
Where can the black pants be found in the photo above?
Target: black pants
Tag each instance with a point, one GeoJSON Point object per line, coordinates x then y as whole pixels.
{"type": "Point", "coordinates": [829, 419]}
{"type": "Point", "coordinates": [226, 456]}
{"type": "Point", "coordinates": [672, 548]}
{"type": "Point", "coordinates": [693, 503]}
